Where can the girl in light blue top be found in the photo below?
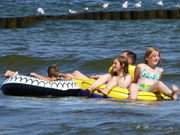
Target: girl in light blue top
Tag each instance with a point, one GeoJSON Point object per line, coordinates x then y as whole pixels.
{"type": "Point", "coordinates": [147, 77]}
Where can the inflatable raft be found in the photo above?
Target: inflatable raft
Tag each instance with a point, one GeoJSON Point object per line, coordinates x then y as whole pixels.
{"type": "Point", "coordinates": [21, 85]}
{"type": "Point", "coordinates": [120, 93]}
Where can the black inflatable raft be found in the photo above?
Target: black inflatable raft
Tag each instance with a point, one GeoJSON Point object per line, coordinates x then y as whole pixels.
{"type": "Point", "coordinates": [21, 85]}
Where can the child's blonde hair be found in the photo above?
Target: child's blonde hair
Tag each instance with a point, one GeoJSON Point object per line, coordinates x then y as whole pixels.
{"type": "Point", "coordinates": [149, 52]}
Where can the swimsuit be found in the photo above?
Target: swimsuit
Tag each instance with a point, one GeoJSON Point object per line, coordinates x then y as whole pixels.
{"type": "Point", "coordinates": [144, 87]}
{"type": "Point", "coordinates": [145, 74]}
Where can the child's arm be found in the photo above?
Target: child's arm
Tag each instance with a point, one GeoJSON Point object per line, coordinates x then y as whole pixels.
{"type": "Point", "coordinates": [112, 83]}
{"type": "Point", "coordinates": [161, 74]}
{"type": "Point", "coordinates": [40, 76]}
{"type": "Point", "coordinates": [137, 73]}
{"type": "Point", "coordinates": [102, 80]}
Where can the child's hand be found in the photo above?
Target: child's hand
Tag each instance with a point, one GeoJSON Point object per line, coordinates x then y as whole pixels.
{"type": "Point", "coordinates": [33, 74]}
{"type": "Point", "coordinates": [91, 88]}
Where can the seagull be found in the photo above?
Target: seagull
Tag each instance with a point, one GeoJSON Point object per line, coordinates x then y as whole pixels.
{"type": "Point", "coordinates": [178, 5]}
{"type": "Point", "coordinates": [72, 11]}
{"type": "Point", "coordinates": [160, 3]}
{"type": "Point", "coordinates": [105, 5]}
{"type": "Point", "coordinates": [138, 4]}
{"type": "Point", "coordinates": [125, 4]}
{"type": "Point", "coordinates": [86, 8]}
{"type": "Point", "coordinates": [40, 11]}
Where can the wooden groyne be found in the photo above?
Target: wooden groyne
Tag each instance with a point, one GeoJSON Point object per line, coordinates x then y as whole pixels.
{"type": "Point", "coordinates": [22, 22]}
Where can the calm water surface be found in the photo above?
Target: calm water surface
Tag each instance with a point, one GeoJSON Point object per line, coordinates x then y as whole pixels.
{"type": "Point", "coordinates": [88, 46]}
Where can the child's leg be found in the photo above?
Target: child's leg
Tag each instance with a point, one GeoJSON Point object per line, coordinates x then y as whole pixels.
{"type": "Point", "coordinates": [133, 91]}
{"type": "Point", "coordinates": [175, 92]}
{"type": "Point", "coordinates": [68, 76]}
{"type": "Point", "coordinates": [102, 80]}
{"type": "Point", "coordinates": [78, 75]}
{"type": "Point", "coordinates": [161, 87]}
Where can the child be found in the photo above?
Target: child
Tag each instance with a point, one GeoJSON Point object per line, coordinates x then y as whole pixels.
{"type": "Point", "coordinates": [53, 74]}
{"type": "Point", "coordinates": [148, 75]}
{"type": "Point", "coordinates": [118, 77]}
{"type": "Point", "coordinates": [131, 58]}
{"type": "Point", "coordinates": [52, 71]}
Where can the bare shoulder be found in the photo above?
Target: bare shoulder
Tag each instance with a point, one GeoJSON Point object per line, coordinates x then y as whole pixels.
{"type": "Point", "coordinates": [161, 69]}
{"type": "Point", "coordinates": [140, 65]}
{"type": "Point", "coordinates": [128, 77]}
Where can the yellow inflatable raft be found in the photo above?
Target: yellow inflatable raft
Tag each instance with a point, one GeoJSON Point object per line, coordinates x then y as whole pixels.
{"type": "Point", "coordinates": [120, 93]}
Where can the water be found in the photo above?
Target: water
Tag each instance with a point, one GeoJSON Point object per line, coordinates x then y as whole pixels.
{"type": "Point", "coordinates": [88, 46]}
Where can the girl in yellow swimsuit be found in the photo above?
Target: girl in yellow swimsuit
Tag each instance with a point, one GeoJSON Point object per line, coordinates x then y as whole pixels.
{"type": "Point", "coordinates": [147, 77]}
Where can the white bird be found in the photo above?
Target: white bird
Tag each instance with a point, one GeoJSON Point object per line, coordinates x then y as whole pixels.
{"type": "Point", "coordinates": [160, 3]}
{"type": "Point", "coordinates": [105, 5]}
{"type": "Point", "coordinates": [86, 8]}
{"type": "Point", "coordinates": [40, 11]}
{"type": "Point", "coordinates": [138, 4]}
{"type": "Point", "coordinates": [72, 11]}
{"type": "Point", "coordinates": [178, 5]}
{"type": "Point", "coordinates": [125, 4]}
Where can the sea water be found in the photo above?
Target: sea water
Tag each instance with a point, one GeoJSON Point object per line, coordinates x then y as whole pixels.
{"type": "Point", "coordinates": [88, 46]}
